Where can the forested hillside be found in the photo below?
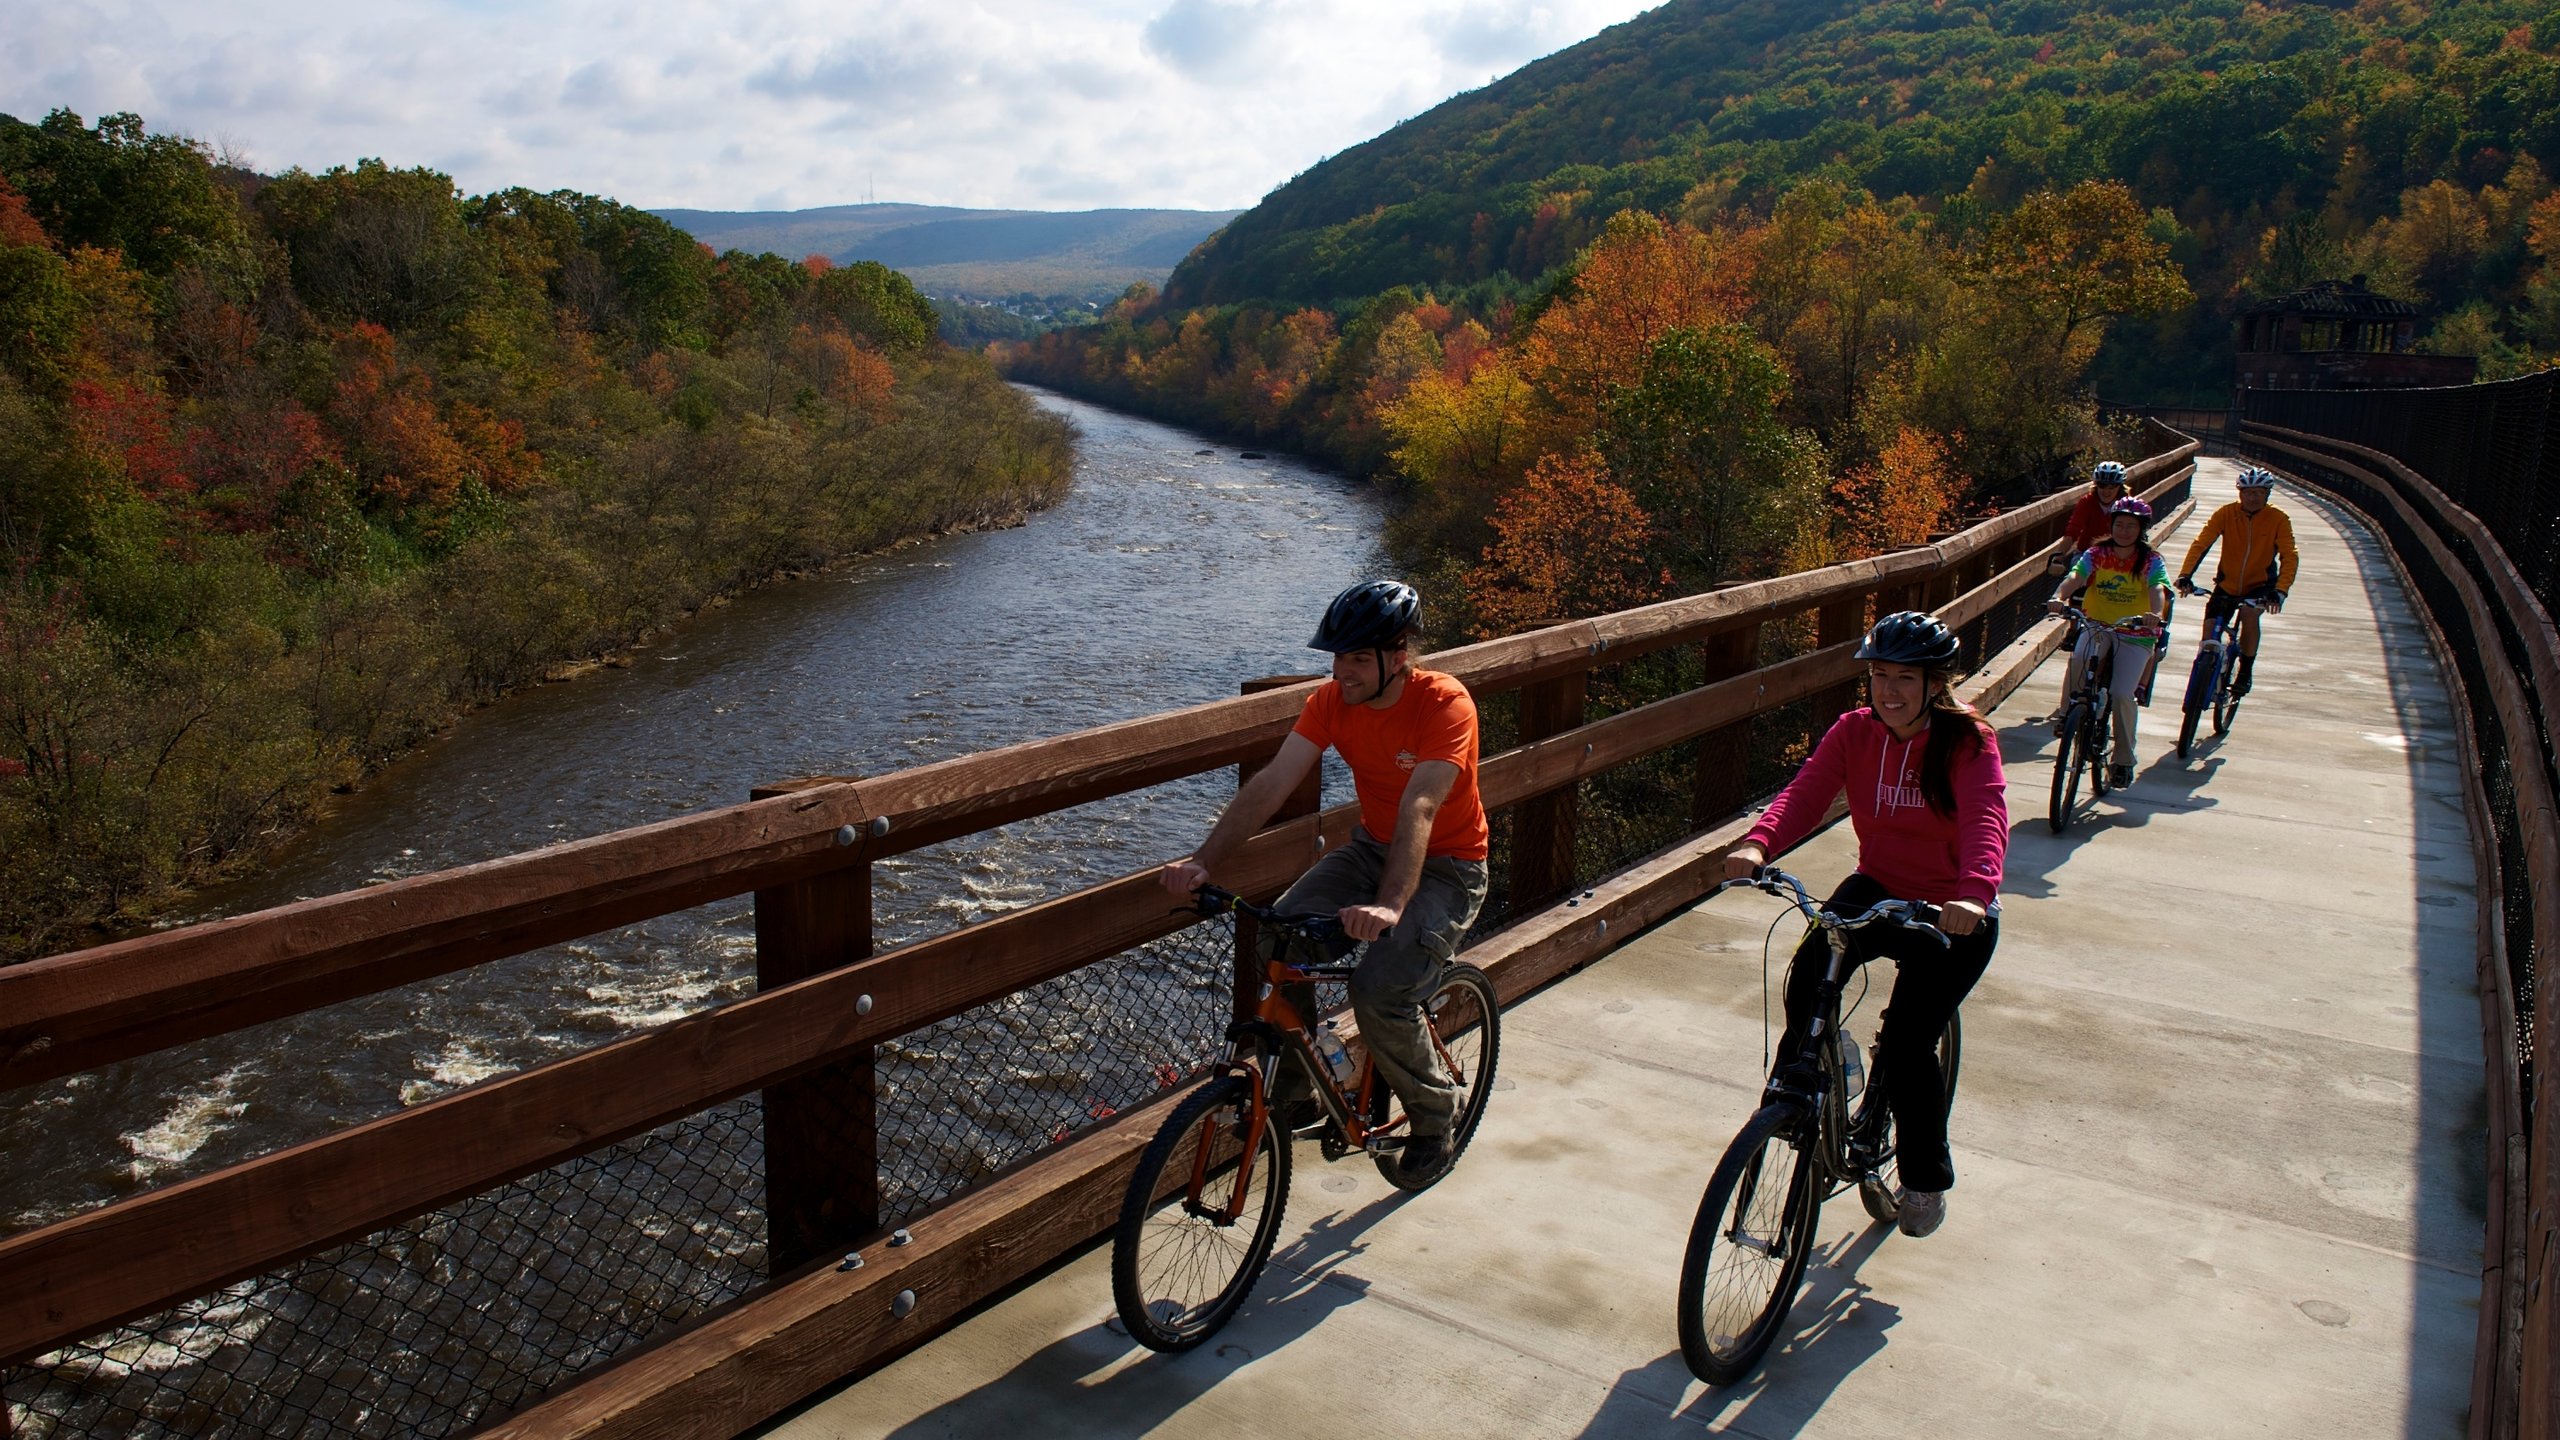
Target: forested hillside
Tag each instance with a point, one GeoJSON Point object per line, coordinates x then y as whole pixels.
{"type": "Point", "coordinates": [2278, 138]}
{"type": "Point", "coordinates": [1911, 231]}
{"type": "Point", "coordinates": [293, 466]}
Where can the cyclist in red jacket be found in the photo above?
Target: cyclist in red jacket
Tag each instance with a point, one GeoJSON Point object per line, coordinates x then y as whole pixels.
{"type": "Point", "coordinates": [2090, 524]}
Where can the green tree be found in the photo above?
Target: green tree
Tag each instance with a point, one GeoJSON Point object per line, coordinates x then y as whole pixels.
{"type": "Point", "coordinates": [1700, 441]}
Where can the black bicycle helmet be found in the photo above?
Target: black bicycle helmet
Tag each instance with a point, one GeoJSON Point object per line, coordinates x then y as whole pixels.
{"type": "Point", "coordinates": [1369, 616]}
{"type": "Point", "coordinates": [1910, 637]}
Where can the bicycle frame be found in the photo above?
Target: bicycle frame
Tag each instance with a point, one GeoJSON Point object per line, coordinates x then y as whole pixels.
{"type": "Point", "coordinates": [1278, 1027]}
{"type": "Point", "coordinates": [1827, 1033]}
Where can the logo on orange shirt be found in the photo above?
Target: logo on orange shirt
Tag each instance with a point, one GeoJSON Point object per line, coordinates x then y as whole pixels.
{"type": "Point", "coordinates": [1405, 760]}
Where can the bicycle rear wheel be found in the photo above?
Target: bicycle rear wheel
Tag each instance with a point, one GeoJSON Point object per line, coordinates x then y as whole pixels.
{"type": "Point", "coordinates": [1880, 1189]}
{"type": "Point", "coordinates": [1179, 1265]}
{"type": "Point", "coordinates": [2093, 751]}
{"type": "Point", "coordinates": [1466, 1030]}
{"type": "Point", "coordinates": [1748, 1246]}
{"type": "Point", "coordinates": [2066, 771]}
{"type": "Point", "coordinates": [2226, 706]}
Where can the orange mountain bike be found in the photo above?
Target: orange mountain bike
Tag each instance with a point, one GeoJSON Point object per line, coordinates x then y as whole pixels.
{"type": "Point", "coordinates": [1203, 1210]}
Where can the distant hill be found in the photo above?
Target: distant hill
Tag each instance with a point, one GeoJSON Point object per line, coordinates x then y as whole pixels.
{"type": "Point", "coordinates": [1081, 254]}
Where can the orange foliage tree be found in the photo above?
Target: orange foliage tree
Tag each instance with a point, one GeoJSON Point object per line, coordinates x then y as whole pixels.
{"type": "Point", "coordinates": [1899, 498]}
{"type": "Point", "coordinates": [1568, 542]}
{"type": "Point", "coordinates": [1642, 279]}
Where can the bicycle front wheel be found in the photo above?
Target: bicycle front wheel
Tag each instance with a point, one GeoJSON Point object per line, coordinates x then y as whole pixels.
{"type": "Point", "coordinates": [2066, 770]}
{"type": "Point", "coordinates": [1198, 1221]}
{"type": "Point", "coordinates": [1748, 1247]}
{"type": "Point", "coordinates": [1466, 1041]}
{"type": "Point", "coordinates": [2199, 699]}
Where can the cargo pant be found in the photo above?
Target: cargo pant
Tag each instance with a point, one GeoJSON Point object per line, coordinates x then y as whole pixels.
{"type": "Point", "coordinates": [1402, 967]}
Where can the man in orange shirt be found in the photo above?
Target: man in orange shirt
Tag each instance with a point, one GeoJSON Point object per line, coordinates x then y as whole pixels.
{"type": "Point", "coordinates": [1409, 737]}
{"type": "Point", "coordinates": [2258, 563]}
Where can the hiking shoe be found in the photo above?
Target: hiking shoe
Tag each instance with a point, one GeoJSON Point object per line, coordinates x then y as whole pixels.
{"type": "Point", "coordinates": [1923, 1211]}
{"type": "Point", "coordinates": [1423, 1156]}
{"type": "Point", "coordinates": [2240, 685]}
{"type": "Point", "coordinates": [2119, 776]}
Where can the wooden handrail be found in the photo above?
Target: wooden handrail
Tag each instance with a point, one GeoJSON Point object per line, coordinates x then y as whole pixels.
{"type": "Point", "coordinates": [72, 1012]}
{"type": "Point", "coordinates": [75, 1012]}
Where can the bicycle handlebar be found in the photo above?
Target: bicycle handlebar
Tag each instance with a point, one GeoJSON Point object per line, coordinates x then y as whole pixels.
{"type": "Point", "coordinates": [1909, 914]}
{"type": "Point", "coordinates": [2141, 626]}
{"type": "Point", "coordinates": [2187, 586]}
{"type": "Point", "coordinates": [1322, 928]}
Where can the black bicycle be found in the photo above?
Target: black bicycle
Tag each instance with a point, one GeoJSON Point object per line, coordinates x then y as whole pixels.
{"type": "Point", "coordinates": [1756, 1223]}
{"type": "Point", "coordinates": [2088, 721]}
{"type": "Point", "coordinates": [1203, 1208]}
{"type": "Point", "coordinates": [2209, 681]}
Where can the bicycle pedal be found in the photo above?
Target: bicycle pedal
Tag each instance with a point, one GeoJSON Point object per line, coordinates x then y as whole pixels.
{"type": "Point", "coordinates": [1383, 1144]}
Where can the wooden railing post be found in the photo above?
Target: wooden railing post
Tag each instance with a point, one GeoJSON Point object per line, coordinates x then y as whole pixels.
{"type": "Point", "coordinates": [1307, 799]}
{"type": "Point", "coordinates": [1544, 829]}
{"type": "Point", "coordinates": [1837, 623]}
{"type": "Point", "coordinates": [1723, 782]}
{"type": "Point", "coordinates": [822, 1129]}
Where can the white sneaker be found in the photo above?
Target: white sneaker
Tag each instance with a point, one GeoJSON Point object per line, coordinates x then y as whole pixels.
{"type": "Point", "coordinates": [1923, 1211]}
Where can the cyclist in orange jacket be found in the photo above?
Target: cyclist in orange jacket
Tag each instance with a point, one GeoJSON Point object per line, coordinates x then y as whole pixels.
{"type": "Point", "coordinates": [2258, 563]}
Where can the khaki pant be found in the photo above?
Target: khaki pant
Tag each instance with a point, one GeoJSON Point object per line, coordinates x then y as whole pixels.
{"type": "Point", "coordinates": [2123, 662]}
{"type": "Point", "coordinates": [1402, 967]}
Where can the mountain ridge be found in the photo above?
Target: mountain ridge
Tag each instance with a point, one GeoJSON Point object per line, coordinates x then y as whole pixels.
{"type": "Point", "coordinates": [953, 250]}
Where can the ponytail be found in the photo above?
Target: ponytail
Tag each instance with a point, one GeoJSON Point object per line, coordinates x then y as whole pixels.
{"type": "Point", "coordinates": [1955, 730]}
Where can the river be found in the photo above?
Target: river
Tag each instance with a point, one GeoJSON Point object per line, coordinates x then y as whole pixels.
{"type": "Point", "coordinates": [1175, 568]}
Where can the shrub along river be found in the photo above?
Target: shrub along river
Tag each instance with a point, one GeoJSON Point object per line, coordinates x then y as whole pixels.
{"type": "Point", "coordinates": [1173, 570]}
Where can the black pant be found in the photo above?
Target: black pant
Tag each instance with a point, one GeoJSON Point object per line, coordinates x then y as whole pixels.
{"type": "Point", "coordinates": [1928, 984]}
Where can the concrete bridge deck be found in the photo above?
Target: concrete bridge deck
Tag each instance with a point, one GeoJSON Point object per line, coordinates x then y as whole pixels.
{"type": "Point", "coordinates": [2219, 1134]}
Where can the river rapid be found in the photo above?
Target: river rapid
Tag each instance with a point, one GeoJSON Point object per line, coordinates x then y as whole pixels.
{"type": "Point", "coordinates": [1174, 569]}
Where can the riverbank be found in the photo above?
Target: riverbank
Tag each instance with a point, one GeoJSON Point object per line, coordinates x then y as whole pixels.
{"type": "Point", "coordinates": [1163, 578]}
{"type": "Point", "coordinates": [146, 782]}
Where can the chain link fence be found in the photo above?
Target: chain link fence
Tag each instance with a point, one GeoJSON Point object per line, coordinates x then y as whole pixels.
{"type": "Point", "coordinates": [453, 1320]}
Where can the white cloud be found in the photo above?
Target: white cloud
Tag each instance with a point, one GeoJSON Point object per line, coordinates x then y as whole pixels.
{"type": "Point", "coordinates": [1004, 103]}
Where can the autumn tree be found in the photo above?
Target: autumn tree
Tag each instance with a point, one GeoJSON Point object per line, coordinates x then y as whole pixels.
{"type": "Point", "coordinates": [1642, 279]}
{"type": "Point", "coordinates": [1897, 499]}
{"type": "Point", "coordinates": [2070, 260]}
{"type": "Point", "coordinates": [1567, 542]}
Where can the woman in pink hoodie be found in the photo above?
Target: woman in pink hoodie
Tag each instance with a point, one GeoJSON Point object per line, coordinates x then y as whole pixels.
{"type": "Point", "coordinates": [1929, 803]}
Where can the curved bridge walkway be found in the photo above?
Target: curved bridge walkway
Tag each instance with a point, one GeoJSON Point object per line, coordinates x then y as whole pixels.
{"type": "Point", "coordinates": [2219, 1135]}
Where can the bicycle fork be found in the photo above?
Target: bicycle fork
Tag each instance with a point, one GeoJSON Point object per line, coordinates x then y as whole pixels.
{"type": "Point", "coordinates": [1256, 1118]}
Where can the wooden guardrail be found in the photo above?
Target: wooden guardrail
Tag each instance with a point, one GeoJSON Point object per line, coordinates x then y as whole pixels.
{"type": "Point", "coordinates": [804, 850]}
{"type": "Point", "coordinates": [2489, 625]}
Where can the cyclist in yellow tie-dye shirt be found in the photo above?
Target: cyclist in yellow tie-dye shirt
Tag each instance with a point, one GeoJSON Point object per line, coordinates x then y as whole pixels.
{"type": "Point", "coordinates": [2123, 577]}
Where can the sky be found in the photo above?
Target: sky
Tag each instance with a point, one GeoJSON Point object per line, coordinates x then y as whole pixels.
{"type": "Point", "coordinates": [787, 104]}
